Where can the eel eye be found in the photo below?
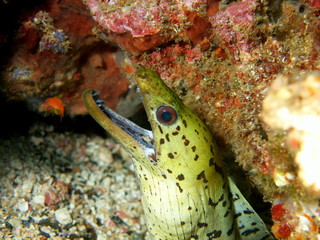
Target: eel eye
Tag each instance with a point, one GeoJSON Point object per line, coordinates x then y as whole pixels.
{"type": "Point", "coordinates": [166, 115]}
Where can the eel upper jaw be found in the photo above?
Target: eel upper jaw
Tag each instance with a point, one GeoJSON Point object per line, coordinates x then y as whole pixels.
{"type": "Point", "coordinates": [143, 136]}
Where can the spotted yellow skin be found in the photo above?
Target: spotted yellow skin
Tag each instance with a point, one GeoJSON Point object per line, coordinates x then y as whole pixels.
{"type": "Point", "coordinates": [186, 193]}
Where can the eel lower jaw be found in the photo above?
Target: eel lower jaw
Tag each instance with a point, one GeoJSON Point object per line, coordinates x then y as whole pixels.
{"type": "Point", "coordinates": [142, 136]}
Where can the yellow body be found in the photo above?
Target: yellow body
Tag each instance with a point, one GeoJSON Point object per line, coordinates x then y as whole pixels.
{"type": "Point", "coordinates": [186, 193]}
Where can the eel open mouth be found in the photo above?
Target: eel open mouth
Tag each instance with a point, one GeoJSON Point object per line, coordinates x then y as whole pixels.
{"type": "Point", "coordinates": [143, 136]}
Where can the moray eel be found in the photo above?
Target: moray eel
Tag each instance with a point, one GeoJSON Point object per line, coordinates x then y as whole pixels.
{"type": "Point", "coordinates": [186, 193]}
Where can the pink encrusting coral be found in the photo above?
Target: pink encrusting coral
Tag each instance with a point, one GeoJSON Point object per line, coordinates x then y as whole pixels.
{"type": "Point", "coordinates": [233, 25]}
{"type": "Point", "coordinates": [152, 22]}
{"type": "Point", "coordinates": [140, 18]}
{"type": "Point", "coordinates": [139, 21]}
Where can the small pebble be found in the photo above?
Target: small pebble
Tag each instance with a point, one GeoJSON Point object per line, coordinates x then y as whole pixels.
{"type": "Point", "coordinates": [22, 206]}
{"type": "Point", "coordinates": [63, 216]}
{"type": "Point", "coordinates": [38, 200]}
